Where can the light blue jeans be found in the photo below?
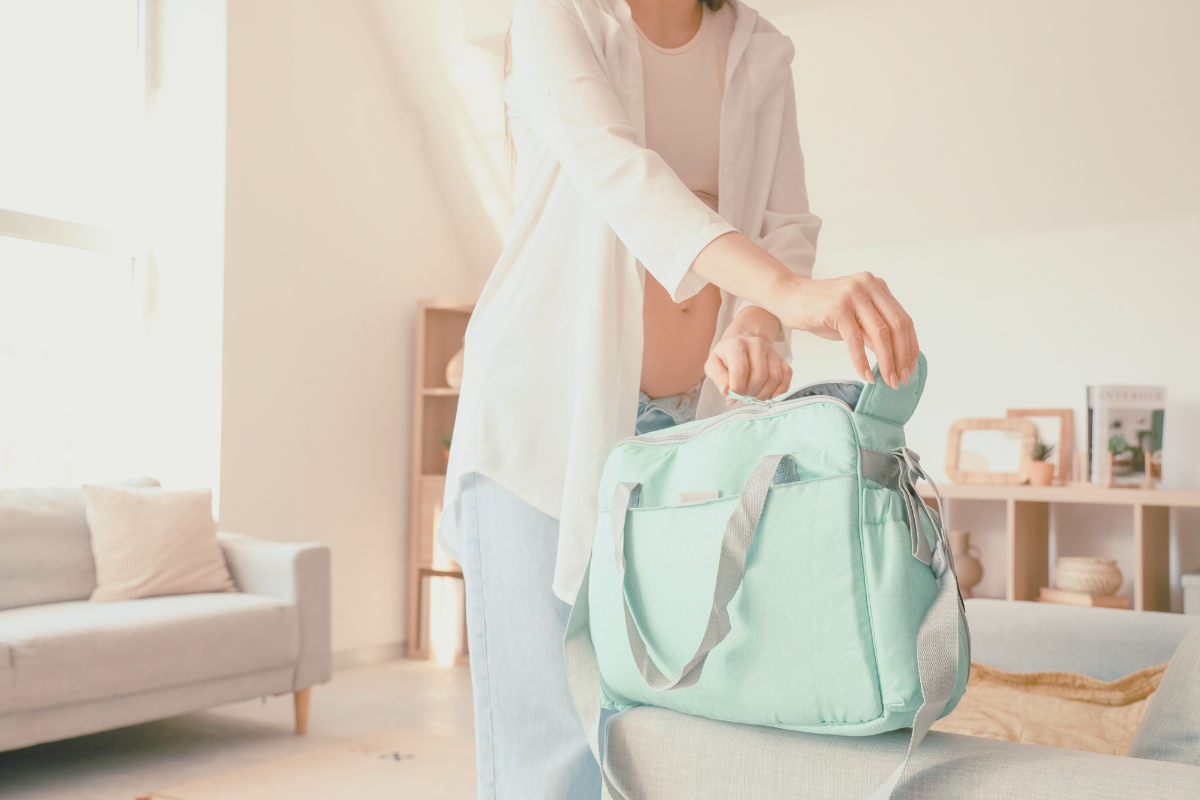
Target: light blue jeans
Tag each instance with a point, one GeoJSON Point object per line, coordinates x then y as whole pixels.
{"type": "Point", "coordinates": [528, 738]}
{"type": "Point", "coordinates": [529, 741]}
{"type": "Point", "coordinates": [655, 414]}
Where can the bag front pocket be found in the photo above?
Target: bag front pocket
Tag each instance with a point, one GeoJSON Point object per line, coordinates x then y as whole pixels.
{"type": "Point", "coordinates": [799, 653]}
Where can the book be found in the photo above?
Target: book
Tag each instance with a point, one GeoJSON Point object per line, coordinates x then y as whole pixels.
{"type": "Point", "coordinates": [1063, 598]}
{"type": "Point", "coordinates": [1128, 422]}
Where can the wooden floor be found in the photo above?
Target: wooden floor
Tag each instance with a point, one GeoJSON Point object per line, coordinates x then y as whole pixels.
{"type": "Point", "coordinates": [121, 764]}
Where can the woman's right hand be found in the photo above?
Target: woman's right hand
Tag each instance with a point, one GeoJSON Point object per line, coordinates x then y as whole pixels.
{"type": "Point", "coordinates": [858, 309]}
{"type": "Point", "coordinates": [861, 311]}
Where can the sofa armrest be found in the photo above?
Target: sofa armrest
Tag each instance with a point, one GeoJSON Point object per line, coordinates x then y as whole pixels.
{"type": "Point", "coordinates": [1105, 643]}
{"type": "Point", "coordinates": [295, 573]}
{"type": "Point", "coordinates": [655, 754]}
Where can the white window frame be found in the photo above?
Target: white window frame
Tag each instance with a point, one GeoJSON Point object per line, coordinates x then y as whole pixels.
{"type": "Point", "coordinates": [19, 225]}
{"type": "Point", "coordinates": [68, 234]}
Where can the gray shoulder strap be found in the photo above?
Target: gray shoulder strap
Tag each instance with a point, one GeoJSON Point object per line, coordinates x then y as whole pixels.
{"type": "Point", "coordinates": [731, 567]}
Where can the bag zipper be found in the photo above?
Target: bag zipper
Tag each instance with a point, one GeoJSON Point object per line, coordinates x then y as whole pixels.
{"type": "Point", "coordinates": [753, 408]}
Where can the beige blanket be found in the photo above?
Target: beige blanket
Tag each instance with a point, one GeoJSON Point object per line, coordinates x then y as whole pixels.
{"type": "Point", "coordinates": [1059, 709]}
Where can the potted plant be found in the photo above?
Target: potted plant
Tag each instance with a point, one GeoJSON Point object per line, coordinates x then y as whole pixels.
{"type": "Point", "coordinates": [1041, 471]}
{"type": "Point", "coordinates": [1122, 455]}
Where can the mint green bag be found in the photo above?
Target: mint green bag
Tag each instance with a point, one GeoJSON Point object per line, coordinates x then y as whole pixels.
{"type": "Point", "coordinates": [773, 565]}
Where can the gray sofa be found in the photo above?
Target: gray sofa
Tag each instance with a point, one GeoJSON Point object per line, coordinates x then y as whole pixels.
{"type": "Point", "coordinates": [70, 667]}
{"type": "Point", "coordinates": [654, 754]}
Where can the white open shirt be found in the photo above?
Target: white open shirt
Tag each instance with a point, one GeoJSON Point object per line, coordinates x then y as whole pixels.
{"type": "Point", "coordinates": [554, 348]}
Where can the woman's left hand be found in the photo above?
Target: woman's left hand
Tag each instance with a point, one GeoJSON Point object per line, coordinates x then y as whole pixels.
{"type": "Point", "coordinates": [748, 365]}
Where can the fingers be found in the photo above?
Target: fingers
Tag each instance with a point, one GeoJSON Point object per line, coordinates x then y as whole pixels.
{"type": "Point", "coordinates": [758, 383]}
{"type": "Point", "coordinates": [774, 370]}
{"type": "Point", "coordinates": [860, 310]}
{"type": "Point", "coordinates": [717, 372]}
{"type": "Point", "coordinates": [785, 377]}
{"type": "Point", "coordinates": [903, 332]}
{"type": "Point", "coordinates": [748, 369]}
{"type": "Point", "coordinates": [749, 366]}
{"type": "Point", "coordinates": [770, 375]}
{"type": "Point", "coordinates": [853, 336]}
{"type": "Point", "coordinates": [737, 361]}
{"type": "Point", "coordinates": [879, 336]}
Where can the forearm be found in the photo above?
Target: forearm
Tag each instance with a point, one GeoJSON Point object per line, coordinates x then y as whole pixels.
{"type": "Point", "coordinates": [858, 309]}
{"type": "Point", "coordinates": [742, 268]}
{"type": "Point", "coordinates": [754, 321]}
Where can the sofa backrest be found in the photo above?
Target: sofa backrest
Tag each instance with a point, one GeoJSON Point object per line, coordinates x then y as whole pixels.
{"type": "Point", "coordinates": [1106, 643]}
{"type": "Point", "coordinates": [45, 546]}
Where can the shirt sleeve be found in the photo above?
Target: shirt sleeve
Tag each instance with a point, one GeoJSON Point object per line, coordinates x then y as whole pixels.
{"type": "Point", "coordinates": [569, 101]}
{"type": "Point", "coordinates": [789, 230]}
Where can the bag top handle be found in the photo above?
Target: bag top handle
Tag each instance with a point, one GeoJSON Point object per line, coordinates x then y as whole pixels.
{"type": "Point", "coordinates": [881, 401]}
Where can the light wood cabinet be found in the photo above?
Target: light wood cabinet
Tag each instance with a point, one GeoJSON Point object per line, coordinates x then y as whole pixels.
{"type": "Point", "coordinates": [1028, 532]}
{"type": "Point", "coordinates": [436, 621]}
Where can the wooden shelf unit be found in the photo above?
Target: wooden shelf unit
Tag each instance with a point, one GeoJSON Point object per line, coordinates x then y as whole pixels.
{"type": "Point", "coordinates": [440, 326]}
{"type": "Point", "coordinates": [1028, 532]}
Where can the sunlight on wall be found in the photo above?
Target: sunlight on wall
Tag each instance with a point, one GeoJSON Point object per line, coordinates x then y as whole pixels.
{"type": "Point", "coordinates": [445, 606]}
{"type": "Point", "coordinates": [445, 618]}
{"type": "Point", "coordinates": [478, 75]}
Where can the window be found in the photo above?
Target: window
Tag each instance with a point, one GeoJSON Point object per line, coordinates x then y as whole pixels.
{"type": "Point", "coordinates": [70, 152]}
{"type": "Point", "coordinates": [72, 105]}
{"type": "Point", "coordinates": [67, 345]}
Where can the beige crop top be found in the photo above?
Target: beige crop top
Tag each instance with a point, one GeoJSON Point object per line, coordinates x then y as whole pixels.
{"type": "Point", "coordinates": [684, 87]}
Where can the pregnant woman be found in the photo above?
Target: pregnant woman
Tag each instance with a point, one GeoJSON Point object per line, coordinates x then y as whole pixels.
{"type": "Point", "coordinates": [660, 254]}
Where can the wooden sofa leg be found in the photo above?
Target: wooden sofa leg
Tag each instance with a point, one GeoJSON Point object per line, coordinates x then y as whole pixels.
{"type": "Point", "coordinates": [302, 698]}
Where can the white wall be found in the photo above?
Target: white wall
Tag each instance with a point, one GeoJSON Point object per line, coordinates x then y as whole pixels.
{"type": "Point", "coordinates": [1024, 174]}
{"type": "Point", "coordinates": [335, 226]}
{"type": "Point", "coordinates": [1026, 177]}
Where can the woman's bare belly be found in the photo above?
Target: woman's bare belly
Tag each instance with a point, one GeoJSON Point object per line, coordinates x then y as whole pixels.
{"type": "Point", "coordinates": [676, 338]}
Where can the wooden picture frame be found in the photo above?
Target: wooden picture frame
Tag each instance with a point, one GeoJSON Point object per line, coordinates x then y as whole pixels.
{"type": "Point", "coordinates": [1064, 470]}
{"type": "Point", "coordinates": [1019, 425]}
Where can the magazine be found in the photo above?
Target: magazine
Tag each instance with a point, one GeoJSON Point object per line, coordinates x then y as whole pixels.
{"type": "Point", "coordinates": [1128, 422]}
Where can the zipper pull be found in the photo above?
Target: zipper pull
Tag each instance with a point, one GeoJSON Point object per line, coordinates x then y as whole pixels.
{"type": "Point", "coordinates": [751, 401]}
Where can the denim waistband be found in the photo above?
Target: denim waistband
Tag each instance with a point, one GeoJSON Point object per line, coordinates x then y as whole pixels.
{"type": "Point", "coordinates": [657, 413]}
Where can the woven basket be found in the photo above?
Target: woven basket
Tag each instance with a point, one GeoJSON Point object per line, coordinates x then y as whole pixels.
{"type": "Point", "coordinates": [1098, 576]}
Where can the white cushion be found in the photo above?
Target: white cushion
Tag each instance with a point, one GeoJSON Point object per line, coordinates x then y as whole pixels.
{"type": "Point", "coordinates": [1170, 728]}
{"type": "Point", "coordinates": [45, 547]}
{"type": "Point", "coordinates": [152, 543]}
{"type": "Point", "coordinates": [78, 651]}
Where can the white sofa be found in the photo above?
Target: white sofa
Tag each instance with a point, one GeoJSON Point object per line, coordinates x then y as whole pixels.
{"type": "Point", "coordinates": [70, 667]}
{"type": "Point", "coordinates": [655, 754]}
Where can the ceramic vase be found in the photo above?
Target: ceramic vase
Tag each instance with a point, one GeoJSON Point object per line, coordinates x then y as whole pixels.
{"type": "Point", "coordinates": [970, 571]}
{"type": "Point", "coordinates": [1041, 473]}
{"type": "Point", "coordinates": [454, 370]}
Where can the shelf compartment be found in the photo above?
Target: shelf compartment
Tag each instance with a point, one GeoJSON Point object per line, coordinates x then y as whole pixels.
{"type": "Point", "coordinates": [444, 331]}
{"type": "Point", "coordinates": [440, 326]}
{"type": "Point", "coordinates": [437, 421]}
{"type": "Point", "coordinates": [1028, 532]}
